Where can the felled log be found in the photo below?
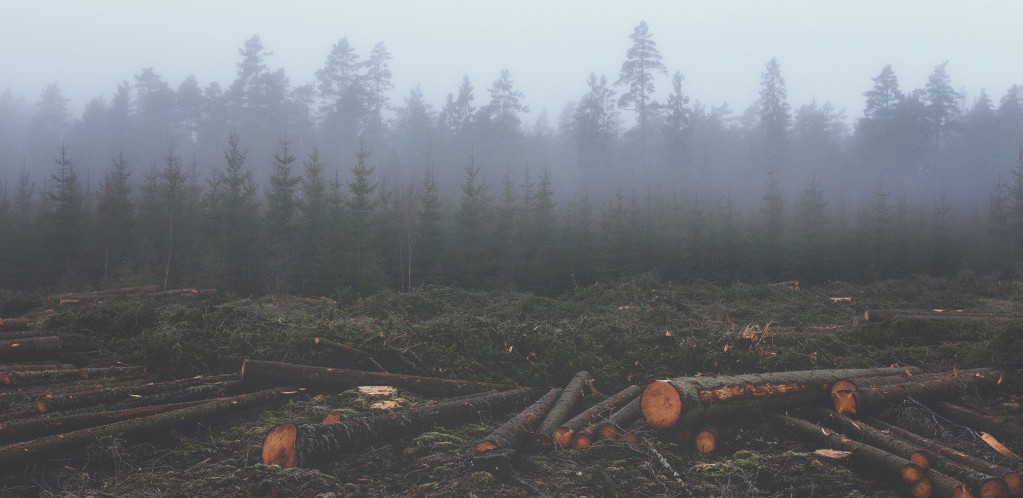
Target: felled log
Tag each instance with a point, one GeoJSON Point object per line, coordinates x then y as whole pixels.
{"type": "Point", "coordinates": [198, 294]}
{"type": "Point", "coordinates": [932, 314]}
{"type": "Point", "coordinates": [862, 453]}
{"type": "Point", "coordinates": [20, 334]}
{"type": "Point", "coordinates": [564, 433]}
{"type": "Point", "coordinates": [690, 399]}
{"type": "Point", "coordinates": [275, 373]}
{"type": "Point", "coordinates": [319, 341]}
{"type": "Point", "coordinates": [518, 432]}
{"type": "Point", "coordinates": [23, 367]}
{"type": "Point", "coordinates": [842, 391]}
{"type": "Point", "coordinates": [106, 293]}
{"type": "Point", "coordinates": [304, 445]}
{"type": "Point", "coordinates": [982, 421]}
{"type": "Point", "coordinates": [619, 420]}
{"type": "Point", "coordinates": [866, 398]}
{"type": "Point", "coordinates": [1013, 480]}
{"type": "Point", "coordinates": [37, 377]}
{"type": "Point", "coordinates": [937, 484]}
{"type": "Point", "coordinates": [58, 402]}
{"type": "Point", "coordinates": [564, 406]}
{"type": "Point", "coordinates": [30, 428]}
{"type": "Point", "coordinates": [13, 324]}
{"type": "Point", "coordinates": [21, 454]}
{"type": "Point", "coordinates": [783, 333]}
{"type": "Point", "coordinates": [705, 439]}
{"type": "Point", "coordinates": [876, 437]}
{"type": "Point", "coordinates": [11, 348]}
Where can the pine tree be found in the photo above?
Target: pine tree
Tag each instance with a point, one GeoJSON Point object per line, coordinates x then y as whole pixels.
{"type": "Point", "coordinates": [642, 65]}
{"type": "Point", "coordinates": [775, 115]}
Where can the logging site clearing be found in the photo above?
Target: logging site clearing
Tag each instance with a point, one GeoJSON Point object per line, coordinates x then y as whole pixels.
{"type": "Point", "coordinates": [638, 387]}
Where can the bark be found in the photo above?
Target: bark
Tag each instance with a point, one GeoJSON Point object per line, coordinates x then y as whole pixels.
{"type": "Point", "coordinates": [1013, 480]}
{"type": "Point", "coordinates": [58, 402]}
{"type": "Point", "coordinates": [19, 455]}
{"type": "Point", "coordinates": [344, 347]}
{"type": "Point", "coordinates": [306, 445]}
{"type": "Point", "coordinates": [933, 314]}
{"type": "Point", "coordinates": [705, 440]}
{"type": "Point", "coordinates": [274, 373]}
{"type": "Point", "coordinates": [563, 408]}
{"type": "Point", "coordinates": [842, 392]}
{"type": "Point", "coordinates": [941, 485]}
{"type": "Point", "coordinates": [23, 367]}
{"type": "Point", "coordinates": [12, 324]}
{"type": "Point", "coordinates": [563, 433]}
{"type": "Point", "coordinates": [867, 398]}
{"type": "Point", "coordinates": [875, 437]}
{"type": "Point", "coordinates": [691, 399]}
{"type": "Point", "coordinates": [517, 433]}
{"type": "Point", "coordinates": [37, 377]}
{"type": "Point", "coordinates": [19, 334]}
{"type": "Point", "coordinates": [888, 464]}
{"type": "Point", "coordinates": [30, 428]}
{"type": "Point", "coordinates": [11, 348]}
{"type": "Point", "coordinates": [619, 420]}
{"type": "Point", "coordinates": [982, 421]}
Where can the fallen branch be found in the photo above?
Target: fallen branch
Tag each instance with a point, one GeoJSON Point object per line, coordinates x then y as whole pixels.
{"type": "Point", "coordinates": [517, 432]}
{"type": "Point", "coordinates": [21, 454]}
{"type": "Point", "coordinates": [304, 445]}
{"type": "Point", "coordinates": [1013, 480]}
{"type": "Point", "coordinates": [564, 433]}
{"type": "Point", "coordinates": [691, 399]}
{"type": "Point", "coordinates": [274, 373]}
{"type": "Point", "coordinates": [562, 409]}
{"type": "Point", "coordinates": [982, 421]}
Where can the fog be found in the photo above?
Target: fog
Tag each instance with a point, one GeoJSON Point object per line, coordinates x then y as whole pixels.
{"type": "Point", "coordinates": [745, 108]}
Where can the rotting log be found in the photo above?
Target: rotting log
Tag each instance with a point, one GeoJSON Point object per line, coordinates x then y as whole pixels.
{"type": "Point", "coordinates": [876, 437]}
{"type": "Point", "coordinates": [564, 406]}
{"type": "Point", "coordinates": [564, 433]}
{"type": "Point", "coordinates": [37, 377]}
{"type": "Point", "coordinates": [1012, 479]}
{"type": "Point", "coordinates": [619, 419]}
{"type": "Point", "coordinates": [275, 373]}
{"type": "Point", "coordinates": [13, 324]}
{"type": "Point", "coordinates": [862, 453]}
{"type": "Point", "coordinates": [58, 402]}
{"type": "Point", "coordinates": [517, 433]}
{"type": "Point", "coordinates": [866, 398]}
{"type": "Point", "coordinates": [691, 399]}
{"type": "Point", "coordinates": [320, 341]}
{"type": "Point", "coordinates": [30, 428]}
{"type": "Point", "coordinates": [40, 345]}
{"type": "Point", "coordinates": [22, 454]}
{"type": "Point", "coordinates": [842, 398]}
{"type": "Point", "coordinates": [982, 421]}
{"type": "Point", "coordinates": [304, 445]}
{"type": "Point", "coordinates": [705, 439]}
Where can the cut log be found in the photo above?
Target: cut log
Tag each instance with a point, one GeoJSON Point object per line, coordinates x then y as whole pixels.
{"type": "Point", "coordinates": [37, 377]}
{"type": "Point", "coordinates": [319, 341]}
{"type": "Point", "coordinates": [932, 314]}
{"type": "Point", "coordinates": [274, 373]}
{"type": "Point", "coordinates": [99, 295]}
{"type": "Point", "coordinates": [12, 324]}
{"type": "Point", "coordinates": [59, 402]}
{"type": "Point", "coordinates": [22, 454]}
{"type": "Point", "coordinates": [563, 433]}
{"type": "Point", "coordinates": [691, 399]}
{"type": "Point", "coordinates": [25, 346]}
{"type": "Point", "coordinates": [866, 398]}
{"type": "Point", "coordinates": [23, 367]}
{"type": "Point", "coordinates": [705, 440]}
{"type": "Point", "coordinates": [875, 437]}
{"type": "Point", "coordinates": [864, 454]}
{"type": "Point", "coordinates": [842, 398]}
{"type": "Point", "coordinates": [25, 429]}
{"type": "Point", "coordinates": [619, 420]}
{"type": "Point", "coordinates": [517, 432]}
{"type": "Point", "coordinates": [940, 485]}
{"type": "Point", "coordinates": [1013, 480]}
{"type": "Point", "coordinates": [305, 445]}
{"type": "Point", "coordinates": [977, 420]}
{"type": "Point", "coordinates": [20, 334]}
{"type": "Point", "coordinates": [563, 407]}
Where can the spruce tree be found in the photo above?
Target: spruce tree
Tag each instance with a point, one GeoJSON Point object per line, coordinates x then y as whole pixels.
{"type": "Point", "coordinates": [114, 215]}
{"type": "Point", "coordinates": [279, 221]}
{"type": "Point", "coordinates": [66, 219]}
{"type": "Point", "coordinates": [430, 231]}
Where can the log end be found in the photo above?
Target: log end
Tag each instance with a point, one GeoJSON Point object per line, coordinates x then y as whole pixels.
{"type": "Point", "coordinates": [331, 418]}
{"type": "Point", "coordinates": [922, 488]}
{"type": "Point", "coordinates": [563, 435]}
{"type": "Point", "coordinates": [994, 488]}
{"type": "Point", "coordinates": [581, 441]}
{"type": "Point", "coordinates": [630, 438]}
{"type": "Point", "coordinates": [279, 446]}
{"type": "Point", "coordinates": [41, 405]}
{"type": "Point", "coordinates": [912, 473]}
{"type": "Point", "coordinates": [921, 459]}
{"type": "Point", "coordinates": [705, 441]}
{"type": "Point", "coordinates": [244, 363]}
{"type": "Point", "coordinates": [843, 397]}
{"type": "Point", "coordinates": [1015, 483]}
{"type": "Point", "coordinates": [606, 430]}
{"type": "Point", "coordinates": [661, 404]}
{"type": "Point", "coordinates": [483, 446]}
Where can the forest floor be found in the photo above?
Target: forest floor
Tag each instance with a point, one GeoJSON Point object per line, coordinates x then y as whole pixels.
{"type": "Point", "coordinates": [628, 332]}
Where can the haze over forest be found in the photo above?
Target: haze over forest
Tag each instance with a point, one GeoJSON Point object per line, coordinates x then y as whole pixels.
{"type": "Point", "coordinates": [265, 184]}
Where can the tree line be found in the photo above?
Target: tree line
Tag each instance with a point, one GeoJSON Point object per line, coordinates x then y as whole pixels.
{"type": "Point", "coordinates": [265, 186]}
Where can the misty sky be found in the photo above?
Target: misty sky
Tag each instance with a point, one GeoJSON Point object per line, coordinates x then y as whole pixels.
{"type": "Point", "coordinates": [828, 50]}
